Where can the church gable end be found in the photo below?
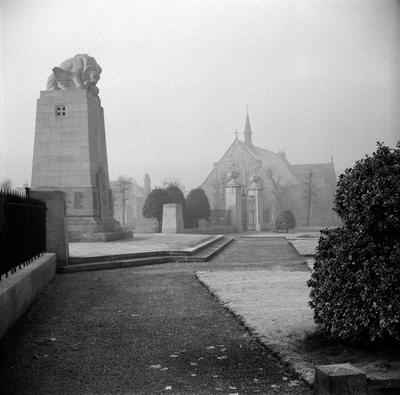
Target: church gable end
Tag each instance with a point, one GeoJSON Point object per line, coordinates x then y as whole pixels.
{"type": "Point", "coordinates": [280, 185]}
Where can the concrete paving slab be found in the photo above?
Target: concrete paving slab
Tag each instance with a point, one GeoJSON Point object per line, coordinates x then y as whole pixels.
{"type": "Point", "coordinates": [305, 247]}
{"type": "Point", "coordinates": [143, 243]}
{"type": "Point", "coordinates": [288, 236]}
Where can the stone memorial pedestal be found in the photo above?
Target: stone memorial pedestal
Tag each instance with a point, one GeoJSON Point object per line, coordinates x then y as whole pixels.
{"type": "Point", "coordinates": [70, 154]}
{"type": "Point", "coordinates": [172, 221]}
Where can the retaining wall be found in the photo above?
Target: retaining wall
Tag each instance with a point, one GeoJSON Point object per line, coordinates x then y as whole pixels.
{"type": "Point", "coordinates": [20, 289]}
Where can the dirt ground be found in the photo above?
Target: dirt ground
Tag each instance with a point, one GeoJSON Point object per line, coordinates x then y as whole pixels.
{"type": "Point", "coordinates": [145, 330]}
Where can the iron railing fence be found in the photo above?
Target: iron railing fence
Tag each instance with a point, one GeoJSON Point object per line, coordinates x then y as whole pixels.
{"type": "Point", "coordinates": [22, 230]}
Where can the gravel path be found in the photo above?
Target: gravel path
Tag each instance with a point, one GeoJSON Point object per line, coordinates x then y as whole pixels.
{"type": "Point", "coordinates": [146, 330]}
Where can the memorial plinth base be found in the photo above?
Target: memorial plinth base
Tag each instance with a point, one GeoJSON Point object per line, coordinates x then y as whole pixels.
{"type": "Point", "coordinates": [70, 156]}
{"type": "Point", "coordinates": [172, 221]}
{"type": "Point", "coordinates": [93, 229]}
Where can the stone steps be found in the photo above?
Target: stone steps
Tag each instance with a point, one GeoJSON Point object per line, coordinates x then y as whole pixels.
{"type": "Point", "coordinates": [201, 253]}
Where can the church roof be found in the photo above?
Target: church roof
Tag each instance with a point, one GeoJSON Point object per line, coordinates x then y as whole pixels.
{"type": "Point", "coordinates": [323, 170]}
{"type": "Point", "coordinates": [275, 162]}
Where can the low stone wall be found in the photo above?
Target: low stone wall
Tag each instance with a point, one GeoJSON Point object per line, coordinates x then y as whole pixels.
{"type": "Point", "coordinates": [19, 290]}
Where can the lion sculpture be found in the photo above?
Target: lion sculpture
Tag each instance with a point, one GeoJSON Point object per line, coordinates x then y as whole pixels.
{"type": "Point", "coordinates": [79, 72]}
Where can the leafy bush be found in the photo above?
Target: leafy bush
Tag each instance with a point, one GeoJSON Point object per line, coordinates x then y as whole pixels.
{"type": "Point", "coordinates": [355, 286]}
{"type": "Point", "coordinates": [285, 220]}
{"type": "Point", "coordinates": [197, 207]}
{"type": "Point", "coordinates": [174, 195]}
{"type": "Point", "coordinates": [153, 206]}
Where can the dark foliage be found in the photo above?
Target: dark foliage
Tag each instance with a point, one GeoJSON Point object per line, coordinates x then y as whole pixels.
{"type": "Point", "coordinates": [175, 195]}
{"type": "Point", "coordinates": [153, 206]}
{"type": "Point", "coordinates": [197, 207]}
{"type": "Point", "coordinates": [285, 220]}
{"type": "Point", "coordinates": [355, 287]}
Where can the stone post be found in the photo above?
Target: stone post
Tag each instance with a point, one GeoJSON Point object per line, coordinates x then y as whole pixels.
{"type": "Point", "coordinates": [341, 379]}
{"type": "Point", "coordinates": [233, 200]}
{"type": "Point", "coordinates": [172, 221]}
{"type": "Point", "coordinates": [254, 193]}
{"type": "Point", "coordinates": [56, 231]}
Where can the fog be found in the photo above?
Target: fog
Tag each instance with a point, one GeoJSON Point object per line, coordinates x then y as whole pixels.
{"type": "Point", "coordinates": [320, 79]}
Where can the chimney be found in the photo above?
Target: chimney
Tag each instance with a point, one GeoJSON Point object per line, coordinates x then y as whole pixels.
{"type": "Point", "coordinates": [147, 184]}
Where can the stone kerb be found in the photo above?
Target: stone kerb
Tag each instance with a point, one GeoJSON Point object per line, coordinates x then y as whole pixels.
{"type": "Point", "coordinates": [172, 221]}
{"type": "Point", "coordinates": [56, 232]}
{"type": "Point", "coordinates": [19, 290]}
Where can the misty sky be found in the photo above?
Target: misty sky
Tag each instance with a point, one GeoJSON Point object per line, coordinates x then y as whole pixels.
{"type": "Point", "coordinates": [320, 78]}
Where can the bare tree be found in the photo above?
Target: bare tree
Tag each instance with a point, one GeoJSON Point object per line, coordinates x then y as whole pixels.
{"type": "Point", "coordinates": [6, 184]}
{"type": "Point", "coordinates": [310, 192]}
{"type": "Point", "coordinates": [279, 190]}
{"type": "Point", "coordinates": [123, 184]}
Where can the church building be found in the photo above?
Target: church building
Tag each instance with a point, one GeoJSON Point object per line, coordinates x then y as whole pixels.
{"type": "Point", "coordinates": [250, 186]}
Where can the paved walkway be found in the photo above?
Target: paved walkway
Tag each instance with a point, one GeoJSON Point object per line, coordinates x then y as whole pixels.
{"type": "Point", "coordinates": [146, 330]}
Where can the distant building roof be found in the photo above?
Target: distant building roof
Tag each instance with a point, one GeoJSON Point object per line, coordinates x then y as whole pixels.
{"type": "Point", "coordinates": [323, 170]}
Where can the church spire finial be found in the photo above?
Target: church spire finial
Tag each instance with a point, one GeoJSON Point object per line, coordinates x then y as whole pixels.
{"type": "Point", "coordinates": [247, 129]}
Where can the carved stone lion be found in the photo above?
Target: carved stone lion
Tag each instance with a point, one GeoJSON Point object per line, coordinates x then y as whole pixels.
{"type": "Point", "coordinates": [79, 72]}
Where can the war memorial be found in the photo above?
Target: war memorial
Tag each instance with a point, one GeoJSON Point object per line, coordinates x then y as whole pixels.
{"type": "Point", "coordinates": [172, 328]}
{"type": "Point", "coordinates": [70, 153]}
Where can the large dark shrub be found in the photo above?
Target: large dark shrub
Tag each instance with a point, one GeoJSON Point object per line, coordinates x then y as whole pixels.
{"type": "Point", "coordinates": [153, 206]}
{"type": "Point", "coordinates": [197, 207]}
{"type": "Point", "coordinates": [355, 286]}
{"type": "Point", "coordinates": [285, 220]}
{"type": "Point", "coordinates": [175, 195]}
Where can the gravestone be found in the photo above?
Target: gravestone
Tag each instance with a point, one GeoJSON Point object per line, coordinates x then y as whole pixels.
{"type": "Point", "coordinates": [70, 152]}
{"type": "Point", "coordinates": [172, 220]}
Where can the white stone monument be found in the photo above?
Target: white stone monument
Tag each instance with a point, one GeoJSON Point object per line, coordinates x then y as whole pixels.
{"type": "Point", "coordinates": [172, 220]}
{"type": "Point", "coordinates": [70, 150]}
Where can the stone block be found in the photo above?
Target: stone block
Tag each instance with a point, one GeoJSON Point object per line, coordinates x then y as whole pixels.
{"type": "Point", "coordinates": [340, 379]}
{"type": "Point", "coordinates": [172, 221]}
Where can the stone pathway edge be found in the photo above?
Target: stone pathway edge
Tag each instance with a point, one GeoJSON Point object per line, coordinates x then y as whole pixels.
{"type": "Point", "coordinates": [294, 362]}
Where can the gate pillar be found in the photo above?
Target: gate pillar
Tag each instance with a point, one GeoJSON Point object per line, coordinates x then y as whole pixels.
{"type": "Point", "coordinates": [255, 206]}
{"type": "Point", "coordinates": [233, 199]}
